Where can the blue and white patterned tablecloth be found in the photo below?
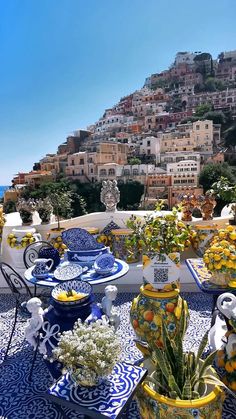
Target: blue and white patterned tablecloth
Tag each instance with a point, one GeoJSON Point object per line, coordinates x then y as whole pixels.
{"type": "Point", "coordinates": [21, 399]}
{"type": "Point", "coordinates": [106, 399]}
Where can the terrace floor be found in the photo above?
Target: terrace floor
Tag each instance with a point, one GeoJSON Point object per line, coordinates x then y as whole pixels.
{"type": "Point", "coordinates": [21, 399]}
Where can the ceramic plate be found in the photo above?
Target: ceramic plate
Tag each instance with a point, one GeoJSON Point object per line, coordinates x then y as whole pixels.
{"type": "Point", "coordinates": [79, 239]}
{"type": "Point", "coordinates": [68, 271]}
{"type": "Point", "coordinates": [104, 263]}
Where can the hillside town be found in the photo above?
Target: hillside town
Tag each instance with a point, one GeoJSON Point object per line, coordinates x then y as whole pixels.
{"type": "Point", "coordinates": [160, 135]}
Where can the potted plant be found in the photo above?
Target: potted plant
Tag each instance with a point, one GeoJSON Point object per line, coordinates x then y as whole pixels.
{"type": "Point", "coordinates": [89, 351]}
{"type": "Point", "coordinates": [220, 256]}
{"type": "Point", "coordinates": [225, 190]}
{"type": "Point", "coordinates": [161, 238]}
{"type": "Point", "coordinates": [44, 208]}
{"type": "Point", "coordinates": [26, 209]}
{"type": "Point", "coordinates": [180, 384]}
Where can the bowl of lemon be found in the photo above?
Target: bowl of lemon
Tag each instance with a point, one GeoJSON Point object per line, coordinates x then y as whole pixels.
{"type": "Point", "coordinates": [71, 293]}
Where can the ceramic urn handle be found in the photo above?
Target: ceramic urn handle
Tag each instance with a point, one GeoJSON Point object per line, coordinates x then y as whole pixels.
{"type": "Point", "coordinates": [226, 304]}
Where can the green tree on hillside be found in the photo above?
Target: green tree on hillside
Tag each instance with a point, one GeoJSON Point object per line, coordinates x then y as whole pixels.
{"type": "Point", "coordinates": [203, 109]}
{"type": "Point", "coordinates": [230, 135]}
{"type": "Point", "coordinates": [212, 172]}
{"type": "Point", "coordinates": [134, 160]}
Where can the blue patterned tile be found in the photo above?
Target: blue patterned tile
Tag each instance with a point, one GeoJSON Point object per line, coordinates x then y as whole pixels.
{"type": "Point", "coordinates": [21, 399]}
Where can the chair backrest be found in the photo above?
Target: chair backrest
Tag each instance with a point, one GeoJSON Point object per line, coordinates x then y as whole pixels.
{"type": "Point", "coordinates": [16, 283]}
{"type": "Point", "coordinates": [32, 250]}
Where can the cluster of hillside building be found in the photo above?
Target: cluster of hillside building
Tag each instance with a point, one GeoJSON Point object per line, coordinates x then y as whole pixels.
{"type": "Point", "coordinates": [146, 125]}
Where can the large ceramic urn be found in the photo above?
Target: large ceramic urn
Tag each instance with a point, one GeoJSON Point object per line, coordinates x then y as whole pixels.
{"type": "Point", "coordinates": [159, 299]}
{"type": "Point", "coordinates": [150, 307]}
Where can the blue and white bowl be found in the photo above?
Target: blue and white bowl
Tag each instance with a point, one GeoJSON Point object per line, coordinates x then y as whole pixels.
{"type": "Point", "coordinates": [104, 264]}
{"type": "Point", "coordinates": [77, 285]}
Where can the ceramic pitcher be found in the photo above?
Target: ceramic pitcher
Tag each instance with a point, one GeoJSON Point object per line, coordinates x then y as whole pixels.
{"type": "Point", "coordinates": [42, 267]}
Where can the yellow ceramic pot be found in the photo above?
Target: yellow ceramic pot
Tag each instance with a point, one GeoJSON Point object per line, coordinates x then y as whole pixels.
{"type": "Point", "coordinates": [153, 405]}
{"type": "Point", "coordinates": [150, 307]}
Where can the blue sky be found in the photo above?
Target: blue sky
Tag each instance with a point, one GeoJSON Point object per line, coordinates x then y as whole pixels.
{"type": "Point", "coordinates": [64, 61]}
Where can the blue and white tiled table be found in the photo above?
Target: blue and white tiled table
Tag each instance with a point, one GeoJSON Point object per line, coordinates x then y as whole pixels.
{"type": "Point", "coordinates": [202, 278]}
{"type": "Point", "coordinates": [109, 399]}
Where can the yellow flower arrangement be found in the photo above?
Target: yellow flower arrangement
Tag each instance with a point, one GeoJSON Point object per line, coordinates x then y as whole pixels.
{"type": "Point", "coordinates": [221, 255]}
{"type": "Point", "coordinates": [20, 243]}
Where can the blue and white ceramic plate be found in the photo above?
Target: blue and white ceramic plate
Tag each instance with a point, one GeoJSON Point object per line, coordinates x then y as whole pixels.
{"type": "Point", "coordinates": [79, 239]}
{"type": "Point", "coordinates": [76, 285]}
{"type": "Point", "coordinates": [104, 263]}
{"type": "Point", "coordinates": [68, 271]}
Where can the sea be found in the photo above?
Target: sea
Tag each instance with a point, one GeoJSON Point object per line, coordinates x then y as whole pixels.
{"type": "Point", "coordinates": [2, 189]}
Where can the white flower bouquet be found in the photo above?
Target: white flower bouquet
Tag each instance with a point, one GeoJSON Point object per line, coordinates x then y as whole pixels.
{"type": "Point", "coordinates": [89, 351]}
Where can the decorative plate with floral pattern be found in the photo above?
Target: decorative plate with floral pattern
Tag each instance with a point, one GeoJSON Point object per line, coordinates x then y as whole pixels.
{"type": "Point", "coordinates": [79, 239]}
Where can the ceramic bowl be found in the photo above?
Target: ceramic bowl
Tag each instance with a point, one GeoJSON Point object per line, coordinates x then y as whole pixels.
{"type": "Point", "coordinates": [104, 264]}
{"type": "Point", "coordinates": [77, 285]}
{"type": "Point", "coordinates": [86, 255]}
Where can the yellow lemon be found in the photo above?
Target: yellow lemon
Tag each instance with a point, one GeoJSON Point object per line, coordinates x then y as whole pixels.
{"type": "Point", "coordinates": [222, 234]}
{"type": "Point", "coordinates": [217, 266]}
{"type": "Point", "coordinates": [230, 228]}
{"type": "Point", "coordinates": [232, 236]}
{"type": "Point", "coordinates": [230, 264]}
{"type": "Point", "coordinates": [210, 266]}
{"type": "Point", "coordinates": [226, 252]}
{"type": "Point", "coordinates": [217, 257]}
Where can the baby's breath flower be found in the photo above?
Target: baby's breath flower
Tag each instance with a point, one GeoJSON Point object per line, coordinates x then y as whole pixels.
{"type": "Point", "coordinates": [89, 350]}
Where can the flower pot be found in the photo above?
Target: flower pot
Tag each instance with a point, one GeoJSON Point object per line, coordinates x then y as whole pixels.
{"type": "Point", "coordinates": [203, 237]}
{"type": "Point", "coordinates": [153, 405]}
{"type": "Point", "coordinates": [148, 310]}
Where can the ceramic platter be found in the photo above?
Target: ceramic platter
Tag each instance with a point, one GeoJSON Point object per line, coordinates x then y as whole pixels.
{"type": "Point", "coordinates": [79, 239]}
{"type": "Point", "coordinates": [68, 271]}
{"type": "Point", "coordinates": [104, 263]}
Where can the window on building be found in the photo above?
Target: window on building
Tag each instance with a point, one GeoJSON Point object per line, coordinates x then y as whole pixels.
{"type": "Point", "coordinates": [72, 162]}
{"type": "Point", "coordinates": [103, 172]}
{"type": "Point", "coordinates": [111, 172]}
{"type": "Point", "coordinates": [148, 143]}
{"type": "Point", "coordinates": [135, 172]}
{"type": "Point", "coordinates": [197, 127]}
{"type": "Point", "coordinates": [81, 161]}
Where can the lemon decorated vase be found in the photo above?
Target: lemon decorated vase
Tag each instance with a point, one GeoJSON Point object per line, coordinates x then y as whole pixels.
{"type": "Point", "coordinates": [150, 307]}
{"type": "Point", "coordinates": [202, 236]}
{"type": "Point", "coordinates": [153, 405]}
